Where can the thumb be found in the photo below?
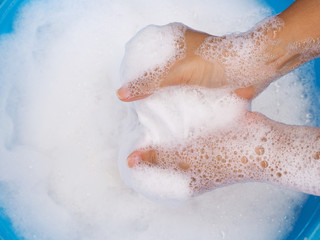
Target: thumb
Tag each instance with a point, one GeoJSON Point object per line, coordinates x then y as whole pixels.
{"type": "Point", "coordinates": [140, 156]}
{"type": "Point", "coordinates": [246, 93]}
{"type": "Point", "coordinates": [140, 88]}
{"type": "Point", "coordinates": [126, 94]}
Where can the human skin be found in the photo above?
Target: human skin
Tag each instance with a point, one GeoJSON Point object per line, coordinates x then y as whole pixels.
{"type": "Point", "coordinates": [254, 148]}
{"type": "Point", "coordinates": [278, 47]}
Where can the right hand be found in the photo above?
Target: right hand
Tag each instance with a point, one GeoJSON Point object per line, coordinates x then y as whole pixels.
{"type": "Point", "coordinates": [236, 155]}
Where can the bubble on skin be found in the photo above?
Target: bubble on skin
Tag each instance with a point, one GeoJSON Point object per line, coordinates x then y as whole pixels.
{"type": "Point", "coordinates": [235, 51]}
{"type": "Point", "coordinates": [316, 155]}
{"type": "Point", "coordinates": [310, 47]}
{"type": "Point", "coordinates": [244, 160]}
{"type": "Point", "coordinates": [259, 150]}
{"type": "Point", "coordinates": [264, 164]}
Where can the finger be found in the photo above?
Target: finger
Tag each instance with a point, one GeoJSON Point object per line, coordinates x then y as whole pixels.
{"type": "Point", "coordinates": [124, 94]}
{"type": "Point", "coordinates": [137, 89]}
{"type": "Point", "coordinates": [138, 157]}
{"type": "Point", "coordinates": [246, 93]}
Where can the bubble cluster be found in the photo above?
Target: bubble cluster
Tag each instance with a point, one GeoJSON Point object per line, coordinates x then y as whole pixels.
{"type": "Point", "coordinates": [248, 58]}
{"type": "Point", "coordinates": [262, 49]}
{"type": "Point", "coordinates": [302, 52]}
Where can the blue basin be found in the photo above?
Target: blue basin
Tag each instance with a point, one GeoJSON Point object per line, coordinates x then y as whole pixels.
{"type": "Point", "coordinates": [307, 225]}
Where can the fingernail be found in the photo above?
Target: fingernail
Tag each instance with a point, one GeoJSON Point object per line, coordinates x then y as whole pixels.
{"type": "Point", "coordinates": [123, 93]}
{"type": "Point", "coordinates": [133, 160]}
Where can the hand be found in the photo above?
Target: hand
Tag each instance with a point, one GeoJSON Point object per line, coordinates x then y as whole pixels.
{"type": "Point", "coordinates": [192, 69]}
{"type": "Point", "coordinates": [247, 62]}
{"type": "Point", "coordinates": [253, 149]}
{"type": "Point", "coordinates": [238, 154]}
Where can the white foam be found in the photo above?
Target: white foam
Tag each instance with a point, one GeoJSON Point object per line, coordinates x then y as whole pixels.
{"type": "Point", "coordinates": [157, 52]}
{"type": "Point", "coordinates": [162, 185]}
{"type": "Point", "coordinates": [61, 121]}
{"type": "Point", "coordinates": [178, 113]}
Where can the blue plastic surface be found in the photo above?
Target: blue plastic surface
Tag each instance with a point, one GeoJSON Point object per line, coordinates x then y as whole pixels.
{"type": "Point", "coordinates": [6, 229]}
{"type": "Point", "coordinates": [307, 225]}
{"type": "Point", "coordinates": [8, 11]}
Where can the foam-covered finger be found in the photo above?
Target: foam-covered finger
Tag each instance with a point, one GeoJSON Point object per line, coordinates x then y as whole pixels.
{"type": "Point", "coordinates": [139, 156]}
{"type": "Point", "coordinates": [125, 95]}
{"type": "Point", "coordinates": [134, 159]}
{"type": "Point", "coordinates": [137, 89]}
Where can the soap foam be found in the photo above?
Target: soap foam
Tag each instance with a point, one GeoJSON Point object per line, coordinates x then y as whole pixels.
{"type": "Point", "coordinates": [165, 186]}
{"type": "Point", "coordinates": [61, 124]}
{"type": "Point", "coordinates": [178, 113]}
{"type": "Point", "coordinates": [167, 46]}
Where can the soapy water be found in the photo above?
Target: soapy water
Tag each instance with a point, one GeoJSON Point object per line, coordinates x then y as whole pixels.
{"type": "Point", "coordinates": [62, 126]}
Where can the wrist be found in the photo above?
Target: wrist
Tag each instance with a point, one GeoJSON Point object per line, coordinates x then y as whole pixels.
{"type": "Point", "coordinates": [285, 48]}
{"type": "Point", "coordinates": [299, 36]}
